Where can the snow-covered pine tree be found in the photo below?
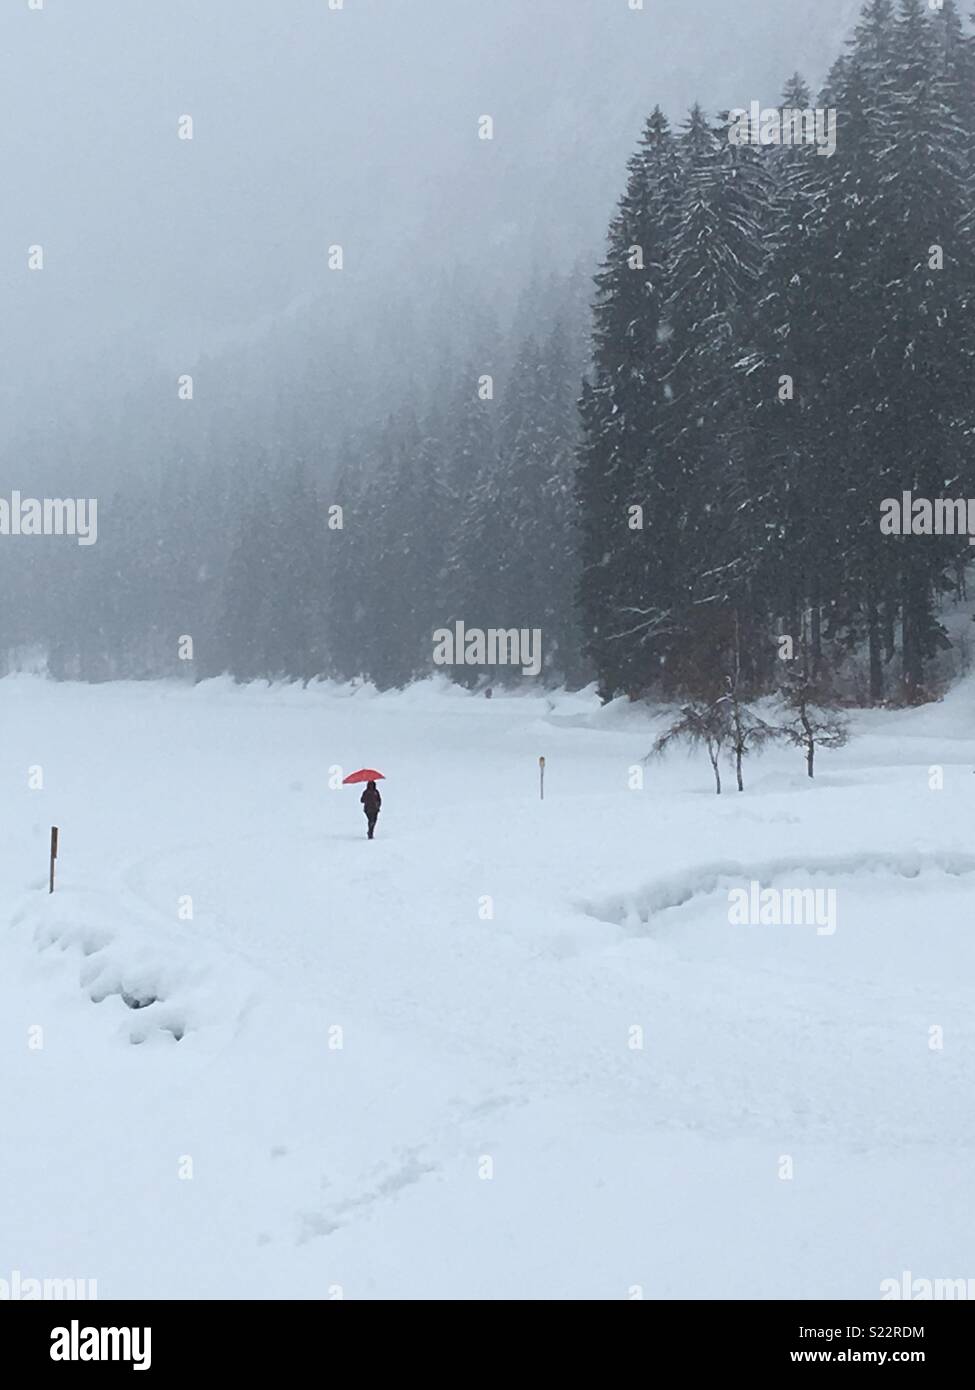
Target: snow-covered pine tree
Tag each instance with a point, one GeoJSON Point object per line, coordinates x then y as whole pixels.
{"type": "Point", "coordinates": [622, 610]}
{"type": "Point", "coordinates": [924, 349]}
{"type": "Point", "coordinates": [700, 440]}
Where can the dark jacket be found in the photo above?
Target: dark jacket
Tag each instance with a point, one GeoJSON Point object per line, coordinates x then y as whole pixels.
{"type": "Point", "coordinates": [371, 799]}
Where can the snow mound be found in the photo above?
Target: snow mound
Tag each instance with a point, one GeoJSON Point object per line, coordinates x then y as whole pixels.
{"type": "Point", "coordinates": [157, 984]}
{"type": "Point", "coordinates": [637, 910]}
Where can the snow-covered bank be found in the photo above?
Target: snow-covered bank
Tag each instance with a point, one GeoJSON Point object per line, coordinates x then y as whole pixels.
{"type": "Point", "coordinates": [412, 1068]}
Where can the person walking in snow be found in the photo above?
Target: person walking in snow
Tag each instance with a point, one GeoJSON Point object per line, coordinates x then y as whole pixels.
{"type": "Point", "coordinates": [371, 803]}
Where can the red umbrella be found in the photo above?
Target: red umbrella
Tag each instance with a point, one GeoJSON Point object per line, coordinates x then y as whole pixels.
{"type": "Point", "coordinates": [365, 774]}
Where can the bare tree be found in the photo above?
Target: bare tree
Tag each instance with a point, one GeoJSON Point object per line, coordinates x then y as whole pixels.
{"type": "Point", "coordinates": [700, 725]}
{"type": "Point", "coordinates": [813, 722]}
{"type": "Point", "coordinates": [748, 731]}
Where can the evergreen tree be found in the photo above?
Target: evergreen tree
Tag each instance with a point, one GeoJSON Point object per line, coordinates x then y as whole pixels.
{"type": "Point", "coordinates": [622, 609]}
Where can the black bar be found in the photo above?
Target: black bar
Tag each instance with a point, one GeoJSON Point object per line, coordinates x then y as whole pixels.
{"type": "Point", "coordinates": [249, 1337]}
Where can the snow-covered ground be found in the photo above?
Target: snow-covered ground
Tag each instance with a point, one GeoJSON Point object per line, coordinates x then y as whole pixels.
{"type": "Point", "coordinates": [356, 1080]}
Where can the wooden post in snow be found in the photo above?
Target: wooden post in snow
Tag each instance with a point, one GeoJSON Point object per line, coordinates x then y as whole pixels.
{"type": "Point", "coordinates": [54, 855]}
{"type": "Point", "coordinates": [541, 779]}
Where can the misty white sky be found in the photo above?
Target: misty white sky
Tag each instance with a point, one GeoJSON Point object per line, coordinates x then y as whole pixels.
{"type": "Point", "coordinates": [315, 126]}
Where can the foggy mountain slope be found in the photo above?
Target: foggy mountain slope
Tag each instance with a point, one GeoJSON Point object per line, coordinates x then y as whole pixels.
{"type": "Point", "coordinates": [312, 127]}
{"type": "Point", "coordinates": [431, 390]}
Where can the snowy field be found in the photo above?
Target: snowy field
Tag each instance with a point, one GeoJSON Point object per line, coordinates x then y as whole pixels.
{"type": "Point", "coordinates": [350, 1079]}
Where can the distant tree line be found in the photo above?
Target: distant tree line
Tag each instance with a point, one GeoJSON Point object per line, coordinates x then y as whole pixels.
{"type": "Point", "coordinates": [295, 525]}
